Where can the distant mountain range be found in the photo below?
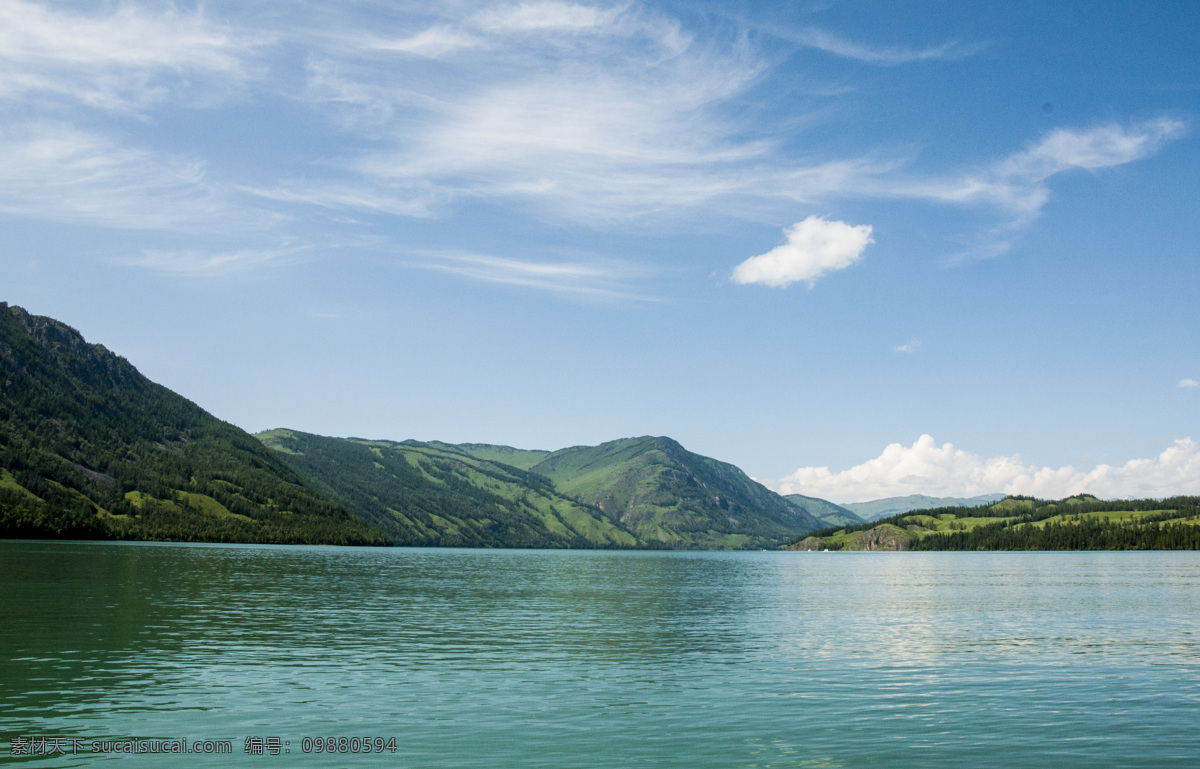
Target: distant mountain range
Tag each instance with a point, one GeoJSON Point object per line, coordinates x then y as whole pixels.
{"type": "Point", "coordinates": [90, 448]}
{"type": "Point", "coordinates": [883, 508]}
{"type": "Point", "coordinates": [826, 512]}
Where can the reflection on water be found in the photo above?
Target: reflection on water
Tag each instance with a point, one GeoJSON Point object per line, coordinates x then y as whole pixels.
{"type": "Point", "coordinates": [580, 659]}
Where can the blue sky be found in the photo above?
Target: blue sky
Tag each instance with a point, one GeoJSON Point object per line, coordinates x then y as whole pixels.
{"type": "Point", "coordinates": [857, 249]}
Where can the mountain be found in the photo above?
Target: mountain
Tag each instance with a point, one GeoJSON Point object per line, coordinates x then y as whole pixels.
{"type": "Point", "coordinates": [636, 492]}
{"type": "Point", "coordinates": [438, 494]}
{"type": "Point", "coordinates": [667, 495]}
{"type": "Point", "coordinates": [882, 508]}
{"type": "Point", "coordinates": [826, 512]}
{"type": "Point", "coordinates": [90, 448]}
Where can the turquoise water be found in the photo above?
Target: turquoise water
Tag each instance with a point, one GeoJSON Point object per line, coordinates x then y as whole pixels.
{"type": "Point", "coordinates": [473, 658]}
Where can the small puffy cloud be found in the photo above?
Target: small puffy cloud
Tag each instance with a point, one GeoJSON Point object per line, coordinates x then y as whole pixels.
{"type": "Point", "coordinates": [926, 468]}
{"type": "Point", "coordinates": [814, 247]}
{"type": "Point", "coordinates": [909, 347]}
{"type": "Point", "coordinates": [1188, 383]}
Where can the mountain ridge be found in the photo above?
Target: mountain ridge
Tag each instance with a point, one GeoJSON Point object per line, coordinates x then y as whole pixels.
{"type": "Point", "coordinates": [647, 491]}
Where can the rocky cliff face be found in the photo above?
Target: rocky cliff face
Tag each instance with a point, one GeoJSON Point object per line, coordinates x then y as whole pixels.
{"type": "Point", "coordinates": [885, 537]}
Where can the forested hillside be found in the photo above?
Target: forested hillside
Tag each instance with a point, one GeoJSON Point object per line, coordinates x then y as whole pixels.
{"type": "Point", "coordinates": [1024, 523]}
{"type": "Point", "coordinates": [90, 448]}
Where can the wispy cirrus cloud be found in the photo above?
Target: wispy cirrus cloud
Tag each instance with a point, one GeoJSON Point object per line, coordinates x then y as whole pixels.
{"type": "Point", "coordinates": [1016, 185]}
{"type": "Point", "coordinates": [597, 114]}
{"type": "Point", "coordinates": [824, 40]}
{"type": "Point", "coordinates": [1016, 182]}
{"type": "Point", "coordinates": [203, 264]}
{"type": "Point", "coordinates": [494, 26]}
{"type": "Point", "coordinates": [580, 279]}
{"type": "Point", "coordinates": [116, 58]}
{"type": "Point", "coordinates": [623, 122]}
{"type": "Point", "coordinates": [546, 15]}
{"type": "Point", "coordinates": [633, 123]}
{"type": "Point", "coordinates": [57, 172]}
{"type": "Point", "coordinates": [927, 468]}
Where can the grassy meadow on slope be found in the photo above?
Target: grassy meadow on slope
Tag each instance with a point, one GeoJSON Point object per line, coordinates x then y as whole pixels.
{"type": "Point", "coordinates": [90, 448]}
{"type": "Point", "coordinates": [1023, 523]}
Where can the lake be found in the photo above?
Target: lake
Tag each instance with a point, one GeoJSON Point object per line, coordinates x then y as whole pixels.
{"type": "Point", "coordinates": [485, 658]}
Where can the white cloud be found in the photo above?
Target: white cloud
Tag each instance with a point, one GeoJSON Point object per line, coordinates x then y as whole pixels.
{"type": "Point", "coordinates": [483, 29]}
{"type": "Point", "coordinates": [547, 15]}
{"type": "Point", "coordinates": [830, 43]}
{"type": "Point", "coordinates": [205, 264]}
{"type": "Point", "coordinates": [595, 113]}
{"type": "Point", "coordinates": [56, 172]}
{"type": "Point", "coordinates": [1098, 147]}
{"type": "Point", "coordinates": [814, 247]}
{"type": "Point", "coordinates": [577, 278]}
{"type": "Point", "coordinates": [600, 113]}
{"type": "Point", "coordinates": [1189, 383]}
{"type": "Point", "coordinates": [114, 59]}
{"type": "Point", "coordinates": [588, 140]}
{"type": "Point", "coordinates": [432, 43]}
{"type": "Point", "coordinates": [908, 347]}
{"type": "Point", "coordinates": [926, 468]}
{"type": "Point", "coordinates": [1016, 182]}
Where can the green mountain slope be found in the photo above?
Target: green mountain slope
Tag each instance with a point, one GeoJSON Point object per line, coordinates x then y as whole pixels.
{"type": "Point", "coordinates": [438, 494]}
{"type": "Point", "coordinates": [826, 512]}
{"type": "Point", "coordinates": [669, 496]}
{"type": "Point", "coordinates": [882, 508]}
{"type": "Point", "coordinates": [90, 448]}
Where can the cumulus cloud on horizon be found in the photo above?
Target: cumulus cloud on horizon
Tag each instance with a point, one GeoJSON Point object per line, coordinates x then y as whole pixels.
{"type": "Point", "coordinates": [814, 247]}
{"type": "Point", "coordinates": [927, 468]}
